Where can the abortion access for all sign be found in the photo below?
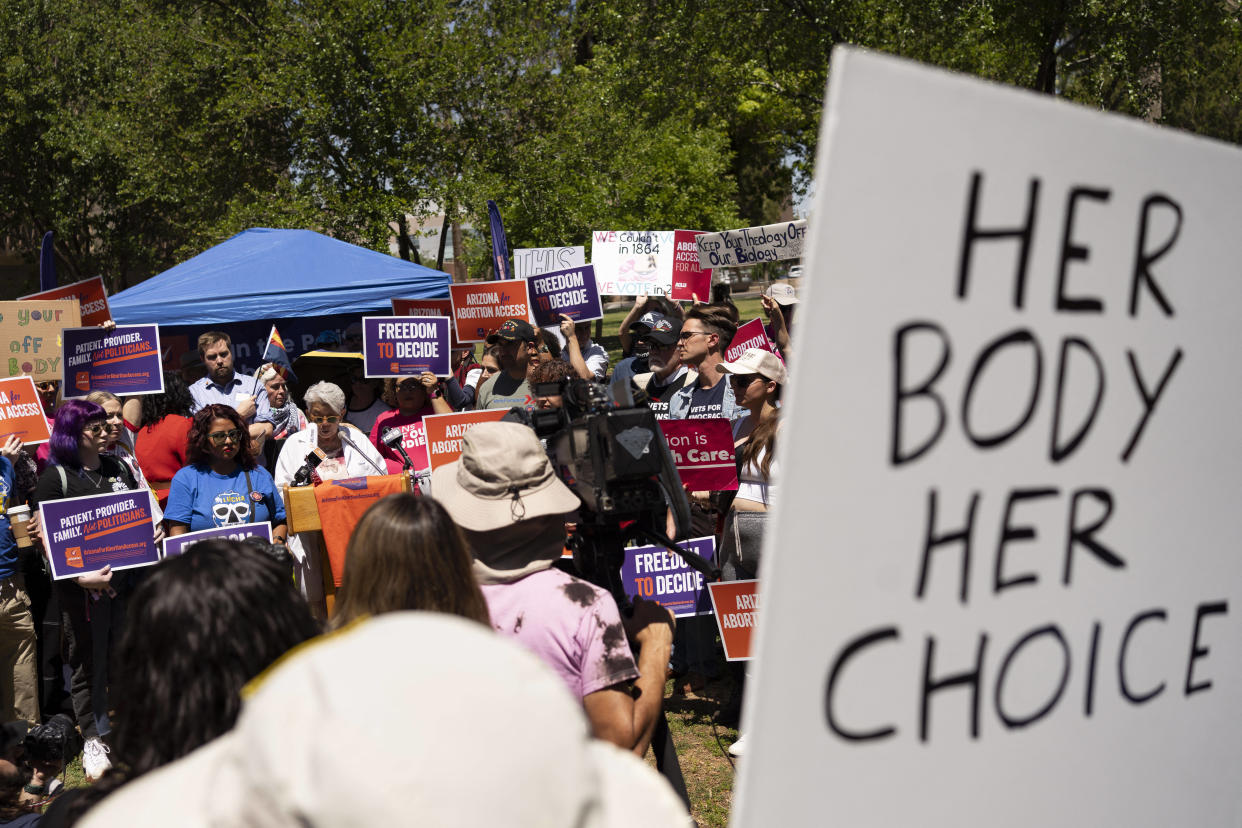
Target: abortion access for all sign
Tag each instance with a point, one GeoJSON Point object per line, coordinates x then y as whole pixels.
{"type": "Point", "coordinates": [1009, 475]}
{"type": "Point", "coordinates": [21, 411]}
{"type": "Point", "coordinates": [91, 295]}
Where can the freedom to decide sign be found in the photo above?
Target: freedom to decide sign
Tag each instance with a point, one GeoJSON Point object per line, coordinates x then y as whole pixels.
{"type": "Point", "coordinates": [1010, 475]}
{"type": "Point", "coordinates": [178, 544]}
{"type": "Point", "coordinates": [661, 575]}
{"type": "Point", "coordinates": [405, 346]}
{"type": "Point", "coordinates": [571, 292]}
{"type": "Point", "coordinates": [83, 534]}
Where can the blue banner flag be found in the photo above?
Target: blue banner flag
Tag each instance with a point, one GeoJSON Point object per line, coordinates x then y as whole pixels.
{"type": "Point", "coordinates": [500, 245]}
{"type": "Point", "coordinates": [47, 263]}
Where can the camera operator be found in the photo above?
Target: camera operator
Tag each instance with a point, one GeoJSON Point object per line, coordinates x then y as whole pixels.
{"type": "Point", "coordinates": [29, 762]}
{"type": "Point", "coordinates": [512, 508]}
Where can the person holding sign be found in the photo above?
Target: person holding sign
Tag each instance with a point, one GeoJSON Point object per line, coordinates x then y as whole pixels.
{"type": "Point", "coordinates": [92, 605]}
{"type": "Point", "coordinates": [19, 688]}
{"type": "Point", "coordinates": [414, 398]}
{"type": "Point", "coordinates": [516, 345]}
{"type": "Point", "coordinates": [589, 361]}
{"type": "Point", "coordinates": [223, 485]}
{"type": "Point", "coordinates": [705, 336]}
{"type": "Point", "coordinates": [779, 302]}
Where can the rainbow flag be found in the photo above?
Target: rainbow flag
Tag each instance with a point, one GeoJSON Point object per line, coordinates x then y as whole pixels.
{"type": "Point", "coordinates": [275, 353]}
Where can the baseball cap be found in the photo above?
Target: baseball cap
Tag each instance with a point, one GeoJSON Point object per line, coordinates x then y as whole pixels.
{"type": "Point", "coordinates": [328, 337]}
{"type": "Point", "coordinates": [782, 292]}
{"type": "Point", "coordinates": [664, 331]}
{"type": "Point", "coordinates": [756, 361]}
{"type": "Point", "coordinates": [512, 330]}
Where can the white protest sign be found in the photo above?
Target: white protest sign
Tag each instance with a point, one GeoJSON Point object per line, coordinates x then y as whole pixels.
{"type": "Point", "coordinates": [536, 261]}
{"type": "Point", "coordinates": [633, 262]}
{"type": "Point", "coordinates": [1009, 474]}
{"type": "Point", "coordinates": [752, 245]}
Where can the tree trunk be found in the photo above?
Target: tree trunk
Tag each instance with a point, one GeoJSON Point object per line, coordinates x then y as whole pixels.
{"type": "Point", "coordinates": [444, 231]}
{"type": "Point", "coordinates": [403, 238]}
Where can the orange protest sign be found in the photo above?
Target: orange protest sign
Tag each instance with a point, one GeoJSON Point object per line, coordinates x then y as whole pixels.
{"type": "Point", "coordinates": [479, 308]}
{"type": "Point", "coordinates": [341, 504]}
{"type": "Point", "coordinates": [21, 413]}
{"type": "Point", "coordinates": [91, 295]}
{"type": "Point", "coordinates": [736, 607]}
{"type": "Point", "coordinates": [428, 307]}
{"type": "Point", "coordinates": [444, 433]}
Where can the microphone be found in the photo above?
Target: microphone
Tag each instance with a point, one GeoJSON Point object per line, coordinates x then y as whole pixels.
{"type": "Point", "coordinates": [303, 476]}
{"type": "Point", "coordinates": [345, 439]}
{"type": "Point", "coordinates": [392, 439]}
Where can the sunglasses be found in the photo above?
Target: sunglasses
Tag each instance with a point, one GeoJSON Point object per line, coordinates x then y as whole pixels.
{"type": "Point", "coordinates": [743, 380]}
{"type": "Point", "coordinates": [322, 420]}
{"type": "Point", "coordinates": [222, 437]}
{"type": "Point", "coordinates": [684, 335]}
{"type": "Point", "coordinates": [94, 428]}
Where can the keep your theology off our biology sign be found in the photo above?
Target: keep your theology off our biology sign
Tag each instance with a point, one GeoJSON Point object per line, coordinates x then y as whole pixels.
{"type": "Point", "coordinates": [1009, 475]}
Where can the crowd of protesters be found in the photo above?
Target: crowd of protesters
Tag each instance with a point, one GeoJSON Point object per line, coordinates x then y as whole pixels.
{"type": "Point", "coordinates": [150, 665]}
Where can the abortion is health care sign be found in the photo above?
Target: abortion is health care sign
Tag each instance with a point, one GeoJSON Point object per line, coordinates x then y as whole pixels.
{"type": "Point", "coordinates": [1009, 479]}
{"type": "Point", "coordinates": [658, 574]}
{"type": "Point", "coordinates": [125, 360]}
{"type": "Point", "coordinates": [750, 335]}
{"type": "Point", "coordinates": [405, 345]}
{"type": "Point", "coordinates": [702, 450]}
{"type": "Point", "coordinates": [571, 292]}
{"type": "Point", "coordinates": [83, 534]}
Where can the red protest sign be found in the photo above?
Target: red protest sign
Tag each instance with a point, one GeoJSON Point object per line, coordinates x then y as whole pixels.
{"type": "Point", "coordinates": [689, 280]}
{"type": "Point", "coordinates": [91, 295]}
{"type": "Point", "coordinates": [703, 453]}
{"type": "Point", "coordinates": [479, 308]}
{"type": "Point", "coordinates": [750, 335]}
{"type": "Point", "coordinates": [736, 607]}
{"type": "Point", "coordinates": [444, 432]}
{"type": "Point", "coordinates": [21, 413]}
{"type": "Point", "coordinates": [428, 307]}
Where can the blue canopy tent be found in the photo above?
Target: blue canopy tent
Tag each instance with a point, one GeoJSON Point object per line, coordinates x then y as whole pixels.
{"type": "Point", "coordinates": [301, 281]}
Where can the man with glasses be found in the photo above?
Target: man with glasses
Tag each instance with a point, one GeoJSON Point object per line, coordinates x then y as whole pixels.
{"type": "Point", "coordinates": [704, 337]}
{"type": "Point", "coordinates": [659, 340]}
{"type": "Point", "coordinates": [224, 386]}
{"type": "Point", "coordinates": [515, 340]}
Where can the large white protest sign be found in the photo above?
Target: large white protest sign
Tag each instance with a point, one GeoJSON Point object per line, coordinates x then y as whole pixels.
{"type": "Point", "coordinates": [752, 245]}
{"type": "Point", "coordinates": [536, 261]}
{"type": "Point", "coordinates": [633, 262]}
{"type": "Point", "coordinates": [1009, 472]}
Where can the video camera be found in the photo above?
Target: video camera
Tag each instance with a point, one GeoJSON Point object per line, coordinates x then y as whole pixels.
{"type": "Point", "coordinates": [607, 447]}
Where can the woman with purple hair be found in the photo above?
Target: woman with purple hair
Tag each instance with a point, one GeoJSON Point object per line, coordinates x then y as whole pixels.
{"type": "Point", "coordinates": [93, 604]}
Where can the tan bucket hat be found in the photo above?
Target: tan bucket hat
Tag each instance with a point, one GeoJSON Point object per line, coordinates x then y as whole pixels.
{"type": "Point", "coordinates": [502, 477]}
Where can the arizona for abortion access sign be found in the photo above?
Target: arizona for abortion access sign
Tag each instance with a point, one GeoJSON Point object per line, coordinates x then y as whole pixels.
{"type": "Point", "coordinates": [1009, 478]}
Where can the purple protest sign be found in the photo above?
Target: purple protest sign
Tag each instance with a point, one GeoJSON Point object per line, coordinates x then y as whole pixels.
{"type": "Point", "coordinates": [657, 574]}
{"type": "Point", "coordinates": [125, 360]}
{"type": "Point", "coordinates": [177, 544]}
{"type": "Point", "coordinates": [83, 534]}
{"type": "Point", "coordinates": [394, 346]}
{"type": "Point", "coordinates": [572, 292]}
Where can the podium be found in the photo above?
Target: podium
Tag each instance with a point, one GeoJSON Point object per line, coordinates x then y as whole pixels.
{"type": "Point", "coordinates": [302, 515]}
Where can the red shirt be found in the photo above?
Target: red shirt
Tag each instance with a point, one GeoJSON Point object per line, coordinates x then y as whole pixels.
{"type": "Point", "coordinates": [160, 449]}
{"type": "Point", "coordinates": [413, 438]}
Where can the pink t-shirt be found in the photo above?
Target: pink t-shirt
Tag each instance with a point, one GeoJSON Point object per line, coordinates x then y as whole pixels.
{"type": "Point", "coordinates": [572, 625]}
{"type": "Point", "coordinates": [413, 438]}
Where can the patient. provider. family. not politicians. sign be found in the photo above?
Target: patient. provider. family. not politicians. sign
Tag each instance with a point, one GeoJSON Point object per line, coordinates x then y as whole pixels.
{"type": "Point", "coordinates": [1009, 475]}
{"type": "Point", "coordinates": [123, 361]}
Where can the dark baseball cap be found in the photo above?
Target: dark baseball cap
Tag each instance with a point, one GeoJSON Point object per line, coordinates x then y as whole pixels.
{"type": "Point", "coordinates": [512, 330]}
{"type": "Point", "coordinates": [664, 331]}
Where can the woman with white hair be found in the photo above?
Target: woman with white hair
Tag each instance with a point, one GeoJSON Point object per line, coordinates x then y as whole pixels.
{"type": "Point", "coordinates": [344, 451]}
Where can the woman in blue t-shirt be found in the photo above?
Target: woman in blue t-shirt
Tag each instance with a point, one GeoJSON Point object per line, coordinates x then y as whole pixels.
{"type": "Point", "coordinates": [223, 485]}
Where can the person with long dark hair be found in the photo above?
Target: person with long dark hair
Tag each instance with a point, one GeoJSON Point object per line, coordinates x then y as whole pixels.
{"type": "Point", "coordinates": [223, 484]}
{"type": "Point", "coordinates": [200, 627]}
{"type": "Point", "coordinates": [160, 441]}
{"type": "Point", "coordinates": [93, 604]}
{"type": "Point", "coordinates": [407, 554]}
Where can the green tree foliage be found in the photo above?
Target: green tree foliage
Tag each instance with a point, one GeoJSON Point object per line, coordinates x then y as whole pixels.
{"type": "Point", "coordinates": [143, 131]}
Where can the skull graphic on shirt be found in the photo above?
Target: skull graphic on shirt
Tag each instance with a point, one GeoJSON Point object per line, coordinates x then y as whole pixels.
{"type": "Point", "coordinates": [230, 508]}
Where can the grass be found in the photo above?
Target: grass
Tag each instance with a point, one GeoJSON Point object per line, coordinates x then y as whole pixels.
{"type": "Point", "coordinates": [702, 750]}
